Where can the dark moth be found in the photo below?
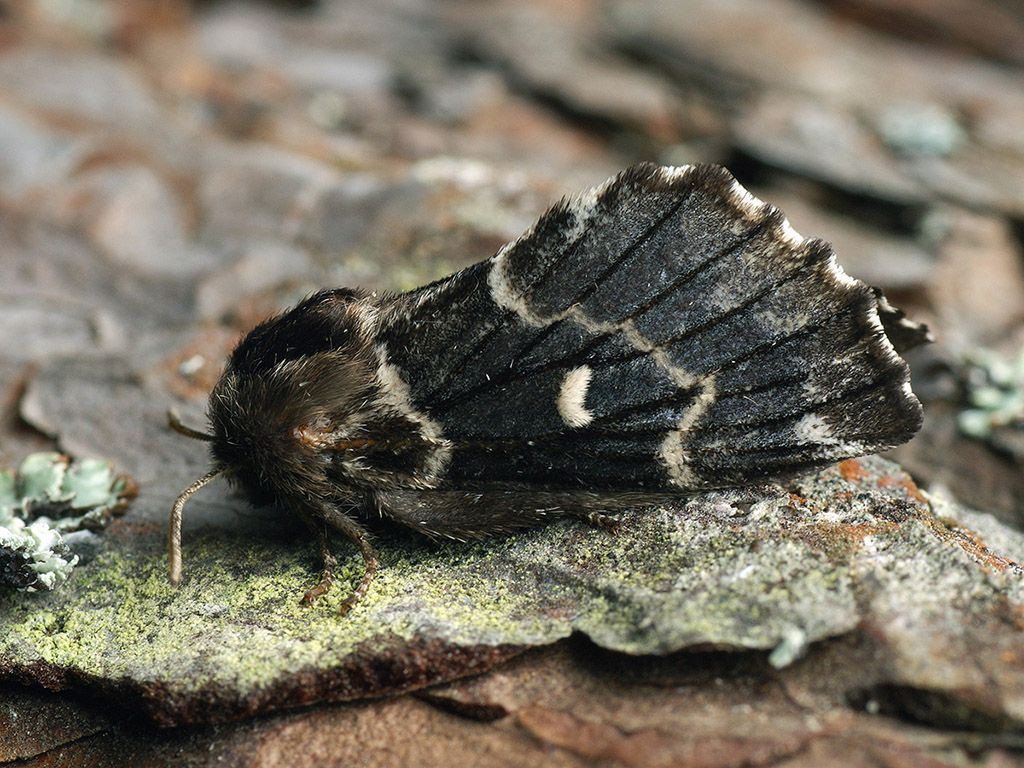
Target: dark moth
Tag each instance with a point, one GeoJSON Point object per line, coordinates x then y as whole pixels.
{"type": "Point", "coordinates": [664, 333]}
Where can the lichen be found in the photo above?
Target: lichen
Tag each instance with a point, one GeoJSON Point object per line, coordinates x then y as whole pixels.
{"type": "Point", "coordinates": [792, 568]}
{"type": "Point", "coordinates": [46, 498]}
{"type": "Point", "coordinates": [920, 130]}
{"type": "Point", "coordinates": [994, 388]}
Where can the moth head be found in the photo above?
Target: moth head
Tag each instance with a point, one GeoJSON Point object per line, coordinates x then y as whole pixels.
{"type": "Point", "coordinates": [293, 381]}
{"type": "Point", "coordinates": [307, 372]}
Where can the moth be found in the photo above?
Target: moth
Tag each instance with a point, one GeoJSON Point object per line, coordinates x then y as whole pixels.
{"type": "Point", "coordinates": [665, 333]}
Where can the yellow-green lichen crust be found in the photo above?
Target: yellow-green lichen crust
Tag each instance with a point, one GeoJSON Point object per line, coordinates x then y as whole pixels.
{"type": "Point", "coordinates": [776, 571]}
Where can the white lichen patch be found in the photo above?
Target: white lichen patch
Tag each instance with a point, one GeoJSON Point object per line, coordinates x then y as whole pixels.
{"type": "Point", "coordinates": [37, 552]}
{"type": "Point", "coordinates": [47, 498]}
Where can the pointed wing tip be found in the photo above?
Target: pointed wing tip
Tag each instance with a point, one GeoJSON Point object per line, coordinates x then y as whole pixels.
{"type": "Point", "coordinates": [902, 332]}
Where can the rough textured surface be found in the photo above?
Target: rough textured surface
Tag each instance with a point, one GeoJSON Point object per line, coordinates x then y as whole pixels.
{"type": "Point", "coordinates": [806, 110]}
{"type": "Point", "coordinates": [855, 546]}
{"type": "Point", "coordinates": [169, 176]}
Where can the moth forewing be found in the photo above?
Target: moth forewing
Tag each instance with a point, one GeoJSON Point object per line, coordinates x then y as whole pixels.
{"type": "Point", "coordinates": [663, 334]}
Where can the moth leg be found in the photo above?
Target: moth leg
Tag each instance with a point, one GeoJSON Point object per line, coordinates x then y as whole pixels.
{"type": "Point", "coordinates": [603, 509]}
{"type": "Point", "coordinates": [600, 520]}
{"type": "Point", "coordinates": [330, 563]}
{"type": "Point", "coordinates": [358, 535]}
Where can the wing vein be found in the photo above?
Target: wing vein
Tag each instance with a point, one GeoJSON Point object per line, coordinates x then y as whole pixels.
{"type": "Point", "coordinates": [807, 407]}
{"type": "Point", "coordinates": [579, 357]}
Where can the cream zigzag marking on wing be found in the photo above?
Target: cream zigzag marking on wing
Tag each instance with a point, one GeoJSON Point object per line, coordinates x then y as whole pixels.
{"type": "Point", "coordinates": [671, 452]}
{"type": "Point", "coordinates": [814, 428]}
{"type": "Point", "coordinates": [582, 206]}
{"type": "Point", "coordinates": [395, 394]}
{"type": "Point", "coordinates": [753, 206]}
{"type": "Point", "coordinates": [747, 206]}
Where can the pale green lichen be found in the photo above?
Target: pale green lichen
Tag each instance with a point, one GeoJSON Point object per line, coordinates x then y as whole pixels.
{"type": "Point", "coordinates": [995, 390]}
{"type": "Point", "coordinates": [791, 647]}
{"type": "Point", "coordinates": [920, 130]}
{"type": "Point", "coordinates": [47, 497]}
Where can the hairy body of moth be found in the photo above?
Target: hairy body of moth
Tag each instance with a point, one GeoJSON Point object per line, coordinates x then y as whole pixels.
{"type": "Point", "coordinates": [666, 333]}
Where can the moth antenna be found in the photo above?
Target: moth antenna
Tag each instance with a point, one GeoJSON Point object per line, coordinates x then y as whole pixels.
{"type": "Point", "coordinates": [174, 534]}
{"type": "Point", "coordinates": [175, 423]}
